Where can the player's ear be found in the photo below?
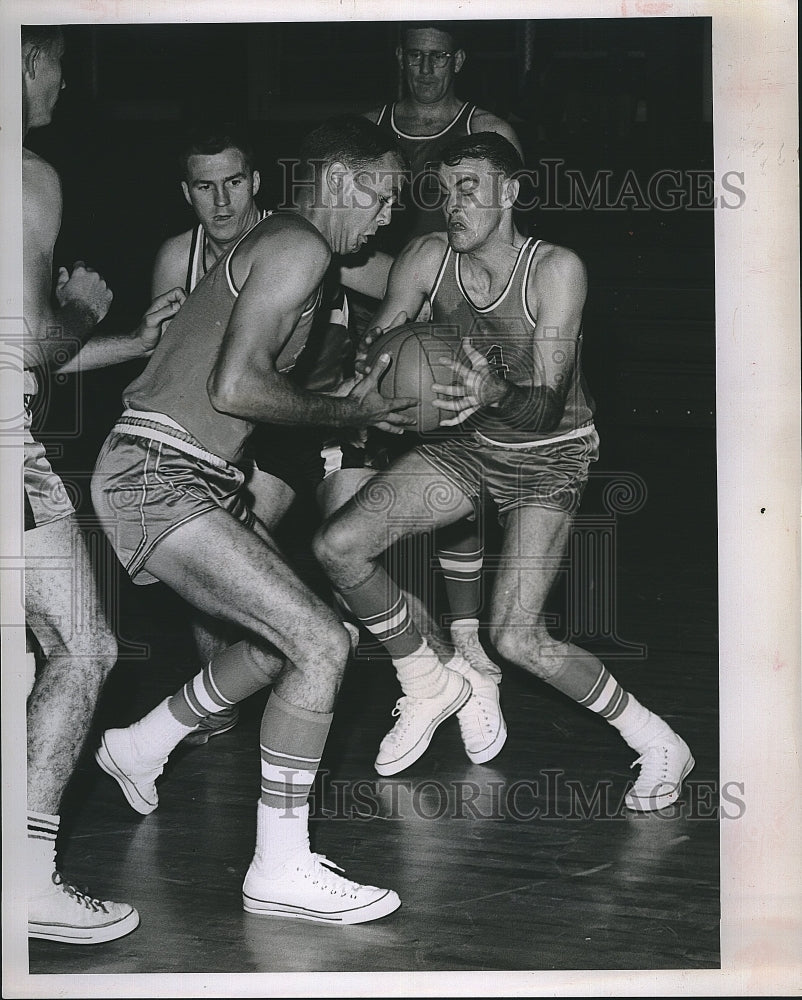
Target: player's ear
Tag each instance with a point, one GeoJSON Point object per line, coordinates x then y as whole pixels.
{"type": "Point", "coordinates": [334, 177]}
{"type": "Point", "coordinates": [459, 59]}
{"type": "Point", "coordinates": [185, 189]}
{"type": "Point", "coordinates": [399, 55]}
{"type": "Point", "coordinates": [510, 187]}
{"type": "Point", "coordinates": [30, 59]}
{"type": "Point", "coordinates": [257, 180]}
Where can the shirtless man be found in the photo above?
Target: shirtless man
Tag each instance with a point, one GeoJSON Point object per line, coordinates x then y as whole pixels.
{"type": "Point", "coordinates": [62, 607]}
{"type": "Point", "coordinates": [168, 491]}
{"type": "Point", "coordinates": [523, 433]}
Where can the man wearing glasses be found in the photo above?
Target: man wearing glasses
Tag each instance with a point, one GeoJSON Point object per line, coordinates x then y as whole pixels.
{"type": "Point", "coordinates": [427, 118]}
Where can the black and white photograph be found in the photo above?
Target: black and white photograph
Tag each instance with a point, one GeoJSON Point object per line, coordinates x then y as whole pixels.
{"type": "Point", "coordinates": [400, 496]}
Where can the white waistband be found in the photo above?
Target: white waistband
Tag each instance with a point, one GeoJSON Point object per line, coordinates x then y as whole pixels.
{"type": "Point", "coordinates": [577, 432]}
{"type": "Point", "coordinates": [157, 418]}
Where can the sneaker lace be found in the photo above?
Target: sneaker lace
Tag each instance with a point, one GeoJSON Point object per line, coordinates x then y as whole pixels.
{"type": "Point", "coordinates": [323, 873]}
{"type": "Point", "coordinates": [404, 715]}
{"type": "Point", "coordinates": [80, 897]}
{"type": "Point", "coordinates": [653, 769]}
{"type": "Point", "coordinates": [473, 718]}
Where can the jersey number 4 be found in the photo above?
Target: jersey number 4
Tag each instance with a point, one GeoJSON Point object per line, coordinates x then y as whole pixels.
{"type": "Point", "coordinates": [495, 358]}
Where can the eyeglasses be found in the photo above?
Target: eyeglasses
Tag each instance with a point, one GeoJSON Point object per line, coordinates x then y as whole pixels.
{"type": "Point", "coordinates": [415, 57]}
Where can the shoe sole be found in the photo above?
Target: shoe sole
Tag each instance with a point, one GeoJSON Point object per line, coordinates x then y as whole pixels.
{"type": "Point", "coordinates": [420, 748]}
{"type": "Point", "coordinates": [642, 805]}
{"type": "Point", "coordinates": [491, 751]}
{"type": "Point", "coordinates": [65, 934]}
{"type": "Point", "coordinates": [202, 736]}
{"type": "Point", "coordinates": [375, 910]}
{"type": "Point", "coordinates": [132, 794]}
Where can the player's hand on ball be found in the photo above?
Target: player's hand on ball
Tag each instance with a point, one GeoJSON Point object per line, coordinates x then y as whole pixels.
{"type": "Point", "coordinates": [153, 324]}
{"type": "Point", "coordinates": [369, 337]}
{"type": "Point", "coordinates": [474, 386]}
{"type": "Point", "coordinates": [84, 287]}
{"type": "Point", "coordinates": [373, 410]}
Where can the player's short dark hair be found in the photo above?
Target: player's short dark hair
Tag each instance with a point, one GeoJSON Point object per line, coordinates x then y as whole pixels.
{"type": "Point", "coordinates": [352, 139]}
{"type": "Point", "coordinates": [210, 139]}
{"type": "Point", "coordinates": [450, 28]}
{"type": "Point", "coordinates": [490, 146]}
{"type": "Point", "coordinates": [42, 36]}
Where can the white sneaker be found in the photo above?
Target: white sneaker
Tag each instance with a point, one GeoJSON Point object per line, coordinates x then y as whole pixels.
{"type": "Point", "coordinates": [418, 718]}
{"type": "Point", "coordinates": [472, 650]}
{"type": "Point", "coordinates": [117, 757]}
{"type": "Point", "coordinates": [306, 888]}
{"type": "Point", "coordinates": [664, 765]}
{"type": "Point", "coordinates": [481, 723]}
{"type": "Point", "coordinates": [63, 913]}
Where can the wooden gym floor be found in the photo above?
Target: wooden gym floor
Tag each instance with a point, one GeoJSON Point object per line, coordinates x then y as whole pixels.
{"type": "Point", "coordinates": [509, 866]}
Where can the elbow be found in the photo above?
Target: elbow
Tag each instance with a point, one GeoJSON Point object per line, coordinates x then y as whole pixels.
{"type": "Point", "coordinates": [221, 387]}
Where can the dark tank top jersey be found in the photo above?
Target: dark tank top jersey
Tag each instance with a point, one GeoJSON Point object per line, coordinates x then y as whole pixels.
{"type": "Point", "coordinates": [175, 380]}
{"type": "Point", "coordinates": [503, 332]}
{"type": "Point", "coordinates": [421, 212]}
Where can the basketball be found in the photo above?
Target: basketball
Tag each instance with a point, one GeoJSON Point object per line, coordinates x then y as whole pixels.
{"type": "Point", "coordinates": [415, 350]}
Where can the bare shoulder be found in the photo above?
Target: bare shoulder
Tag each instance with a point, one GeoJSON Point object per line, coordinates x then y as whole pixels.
{"type": "Point", "coordinates": [486, 121]}
{"type": "Point", "coordinates": [41, 186]}
{"type": "Point", "coordinates": [559, 264]}
{"type": "Point", "coordinates": [170, 265]}
{"type": "Point", "coordinates": [426, 250]}
{"type": "Point", "coordinates": [286, 246]}
{"type": "Point", "coordinates": [176, 245]}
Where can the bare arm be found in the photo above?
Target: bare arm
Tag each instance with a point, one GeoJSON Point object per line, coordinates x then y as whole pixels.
{"type": "Point", "coordinates": [556, 295]}
{"type": "Point", "coordinates": [411, 278]}
{"type": "Point", "coordinates": [170, 266]}
{"type": "Point", "coordinates": [245, 381]}
{"type": "Point", "coordinates": [115, 348]}
{"type": "Point", "coordinates": [55, 330]}
{"type": "Point", "coordinates": [370, 277]}
{"type": "Point", "coordinates": [169, 274]}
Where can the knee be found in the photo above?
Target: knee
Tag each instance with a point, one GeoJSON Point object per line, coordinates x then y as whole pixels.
{"type": "Point", "coordinates": [334, 546]}
{"type": "Point", "coordinates": [528, 647]}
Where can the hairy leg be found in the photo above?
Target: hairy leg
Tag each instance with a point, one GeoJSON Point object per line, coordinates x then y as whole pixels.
{"type": "Point", "coordinates": [64, 612]}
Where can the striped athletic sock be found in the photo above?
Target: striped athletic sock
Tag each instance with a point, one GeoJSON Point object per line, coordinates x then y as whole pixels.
{"type": "Point", "coordinates": [462, 573]}
{"type": "Point", "coordinates": [292, 741]}
{"type": "Point", "coordinates": [42, 833]}
{"type": "Point", "coordinates": [609, 700]}
{"type": "Point", "coordinates": [382, 608]}
{"type": "Point", "coordinates": [224, 682]}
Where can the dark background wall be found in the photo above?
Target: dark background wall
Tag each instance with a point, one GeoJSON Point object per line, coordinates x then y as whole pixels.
{"type": "Point", "coordinates": [626, 97]}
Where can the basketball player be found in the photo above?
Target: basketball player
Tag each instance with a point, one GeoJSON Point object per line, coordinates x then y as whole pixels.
{"type": "Point", "coordinates": [168, 491]}
{"type": "Point", "coordinates": [523, 431]}
{"type": "Point", "coordinates": [423, 122]}
{"type": "Point", "coordinates": [220, 183]}
{"type": "Point", "coordinates": [428, 117]}
{"type": "Point", "coordinates": [62, 605]}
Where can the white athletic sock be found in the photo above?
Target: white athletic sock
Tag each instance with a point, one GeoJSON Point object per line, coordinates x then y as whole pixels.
{"type": "Point", "coordinates": [421, 674]}
{"type": "Point", "coordinates": [41, 851]}
{"type": "Point", "coordinates": [638, 726]}
{"type": "Point", "coordinates": [281, 834]}
{"type": "Point", "coordinates": [158, 733]}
